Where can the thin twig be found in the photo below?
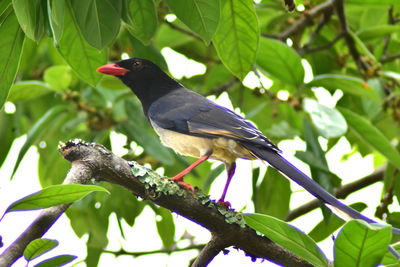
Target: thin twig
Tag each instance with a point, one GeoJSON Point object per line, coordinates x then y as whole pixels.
{"type": "Point", "coordinates": [325, 19]}
{"type": "Point", "coordinates": [302, 23]}
{"type": "Point", "coordinates": [150, 252]}
{"type": "Point", "coordinates": [223, 87]}
{"type": "Point", "coordinates": [388, 58]}
{"type": "Point", "coordinates": [362, 66]}
{"type": "Point", "coordinates": [340, 193]}
{"type": "Point", "coordinates": [176, 27]}
{"type": "Point", "coordinates": [306, 49]}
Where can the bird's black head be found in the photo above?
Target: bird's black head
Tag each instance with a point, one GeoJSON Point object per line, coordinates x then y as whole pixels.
{"type": "Point", "coordinates": [144, 78]}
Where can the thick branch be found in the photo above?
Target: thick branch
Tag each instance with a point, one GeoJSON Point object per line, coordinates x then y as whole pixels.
{"type": "Point", "coordinates": [92, 160]}
{"type": "Point", "coordinates": [209, 252]}
{"type": "Point", "coordinates": [341, 193]}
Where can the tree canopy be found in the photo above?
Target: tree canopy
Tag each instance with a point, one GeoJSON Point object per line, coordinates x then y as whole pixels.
{"type": "Point", "coordinates": [292, 51]}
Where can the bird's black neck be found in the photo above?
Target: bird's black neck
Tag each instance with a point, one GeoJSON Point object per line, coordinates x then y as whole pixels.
{"type": "Point", "coordinates": [149, 90]}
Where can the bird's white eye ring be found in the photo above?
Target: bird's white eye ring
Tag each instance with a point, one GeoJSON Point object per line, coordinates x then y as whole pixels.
{"type": "Point", "coordinates": [137, 64]}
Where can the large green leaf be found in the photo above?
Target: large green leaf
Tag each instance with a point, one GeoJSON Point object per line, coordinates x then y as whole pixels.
{"type": "Point", "coordinates": [37, 130]}
{"type": "Point", "coordinates": [30, 14]}
{"type": "Point", "coordinates": [143, 17]}
{"type": "Point", "coordinates": [236, 39]}
{"type": "Point", "coordinates": [328, 121]}
{"type": "Point", "coordinates": [54, 195]}
{"type": "Point", "coordinates": [7, 134]}
{"type": "Point", "coordinates": [280, 61]}
{"type": "Point", "coordinates": [361, 244]}
{"type": "Point", "coordinates": [201, 16]}
{"type": "Point", "coordinates": [58, 77]}
{"type": "Point", "coordinates": [347, 84]}
{"type": "Point", "coordinates": [58, 261]}
{"type": "Point", "coordinates": [56, 19]}
{"type": "Point", "coordinates": [38, 247]}
{"type": "Point", "coordinates": [98, 20]}
{"type": "Point", "coordinates": [273, 195]}
{"type": "Point", "coordinates": [4, 4]}
{"type": "Point", "coordinates": [377, 31]}
{"type": "Point", "coordinates": [165, 226]}
{"type": "Point", "coordinates": [371, 135]}
{"type": "Point", "coordinates": [328, 226]}
{"type": "Point", "coordinates": [83, 58]}
{"type": "Point", "coordinates": [11, 43]}
{"type": "Point", "coordinates": [27, 90]}
{"type": "Point", "coordinates": [288, 237]}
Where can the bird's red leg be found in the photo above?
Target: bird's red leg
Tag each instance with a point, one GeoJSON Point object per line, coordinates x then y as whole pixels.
{"type": "Point", "coordinates": [231, 172]}
{"type": "Point", "coordinates": [179, 177]}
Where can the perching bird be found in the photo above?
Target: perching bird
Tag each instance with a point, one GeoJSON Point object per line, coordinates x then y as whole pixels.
{"type": "Point", "coordinates": [194, 126]}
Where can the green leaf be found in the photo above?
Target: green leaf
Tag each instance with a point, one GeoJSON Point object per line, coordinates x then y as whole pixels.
{"type": "Point", "coordinates": [288, 237]}
{"type": "Point", "coordinates": [327, 227]}
{"type": "Point", "coordinates": [98, 20]}
{"type": "Point", "coordinates": [236, 39]}
{"type": "Point", "coordinates": [347, 84]}
{"type": "Point", "coordinates": [37, 129]}
{"type": "Point", "coordinates": [143, 24]}
{"type": "Point", "coordinates": [361, 244]}
{"type": "Point", "coordinates": [371, 135]}
{"type": "Point", "coordinates": [11, 43]}
{"type": "Point", "coordinates": [4, 5]}
{"type": "Point", "coordinates": [378, 31]}
{"type": "Point", "coordinates": [54, 195]}
{"type": "Point", "coordinates": [273, 195]}
{"type": "Point", "coordinates": [27, 90]}
{"type": "Point", "coordinates": [31, 17]}
{"type": "Point", "coordinates": [329, 122]}
{"type": "Point", "coordinates": [83, 58]}
{"type": "Point", "coordinates": [38, 247]}
{"type": "Point", "coordinates": [56, 19]}
{"type": "Point", "coordinates": [201, 16]}
{"type": "Point", "coordinates": [56, 261]}
{"type": "Point", "coordinates": [373, 2]}
{"type": "Point", "coordinates": [7, 134]}
{"type": "Point", "coordinates": [280, 61]}
{"type": "Point", "coordinates": [165, 226]}
{"type": "Point", "coordinates": [58, 77]}
{"type": "Point", "coordinates": [389, 259]}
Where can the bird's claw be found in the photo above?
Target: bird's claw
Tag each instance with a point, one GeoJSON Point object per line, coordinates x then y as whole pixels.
{"type": "Point", "coordinates": [185, 185]}
{"type": "Point", "coordinates": [224, 203]}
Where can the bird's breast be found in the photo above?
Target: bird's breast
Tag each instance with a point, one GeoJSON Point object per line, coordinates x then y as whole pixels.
{"type": "Point", "coordinates": [223, 149]}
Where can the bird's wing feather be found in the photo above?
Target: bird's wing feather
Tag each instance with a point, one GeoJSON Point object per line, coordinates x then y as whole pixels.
{"type": "Point", "coordinates": [200, 117]}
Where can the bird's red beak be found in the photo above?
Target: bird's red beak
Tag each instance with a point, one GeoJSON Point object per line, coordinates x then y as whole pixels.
{"type": "Point", "coordinates": [112, 69]}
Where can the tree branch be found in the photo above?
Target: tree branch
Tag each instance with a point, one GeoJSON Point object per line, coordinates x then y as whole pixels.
{"type": "Point", "coordinates": [304, 21]}
{"type": "Point", "coordinates": [341, 193]}
{"type": "Point", "coordinates": [95, 161]}
{"type": "Point", "coordinates": [307, 49]}
{"type": "Point", "coordinates": [211, 250]}
{"type": "Point", "coordinates": [150, 252]}
{"type": "Point", "coordinates": [361, 64]}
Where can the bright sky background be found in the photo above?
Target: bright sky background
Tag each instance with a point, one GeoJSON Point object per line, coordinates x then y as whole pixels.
{"type": "Point", "coordinates": [26, 182]}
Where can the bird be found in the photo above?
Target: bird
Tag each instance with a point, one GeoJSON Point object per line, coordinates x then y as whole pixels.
{"type": "Point", "coordinates": [195, 126]}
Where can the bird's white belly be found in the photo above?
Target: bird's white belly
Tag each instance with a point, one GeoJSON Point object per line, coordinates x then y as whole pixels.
{"type": "Point", "coordinates": [224, 149]}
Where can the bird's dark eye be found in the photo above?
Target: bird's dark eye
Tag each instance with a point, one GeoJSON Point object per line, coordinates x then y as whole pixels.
{"type": "Point", "coordinates": [137, 64]}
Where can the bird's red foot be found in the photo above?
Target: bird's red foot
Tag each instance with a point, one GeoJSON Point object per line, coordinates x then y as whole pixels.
{"type": "Point", "coordinates": [185, 185]}
{"type": "Point", "coordinates": [225, 203]}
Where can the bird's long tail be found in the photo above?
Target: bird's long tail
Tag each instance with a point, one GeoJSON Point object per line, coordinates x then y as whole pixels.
{"type": "Point", "coordinates": [284, 166]}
